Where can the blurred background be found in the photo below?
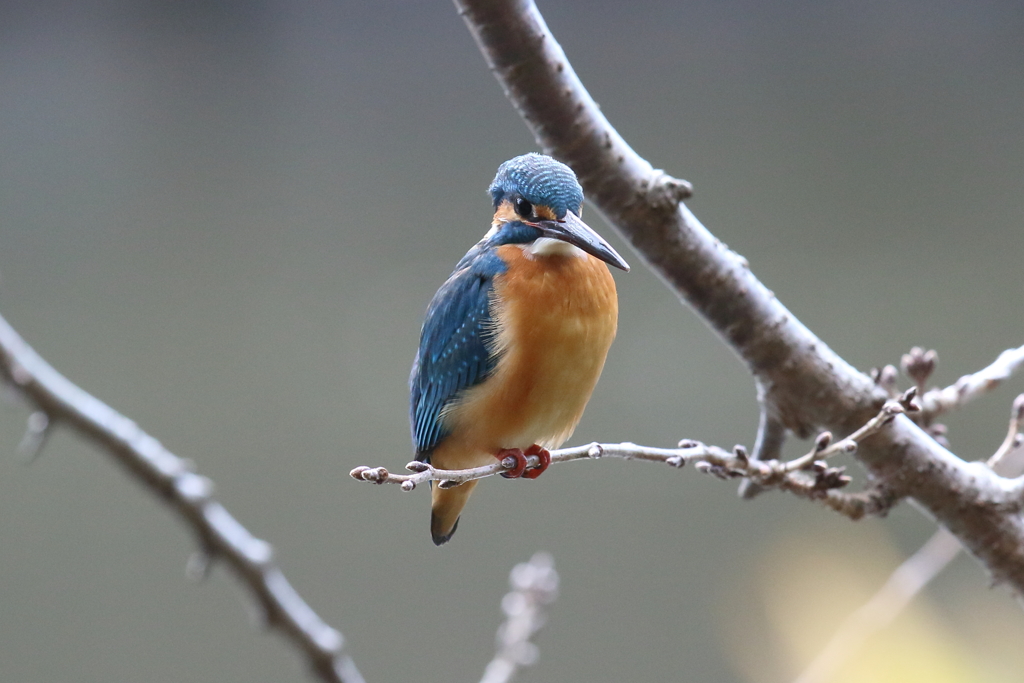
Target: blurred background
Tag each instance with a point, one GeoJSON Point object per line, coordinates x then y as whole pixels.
{"type": "Point", "coordinates": [226, 219]}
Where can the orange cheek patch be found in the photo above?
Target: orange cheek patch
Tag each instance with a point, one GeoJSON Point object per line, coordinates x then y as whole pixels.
{"type": "Point", "coordinates": [545, 213]}
{"type": "Point", "coordinates": [505, 213]}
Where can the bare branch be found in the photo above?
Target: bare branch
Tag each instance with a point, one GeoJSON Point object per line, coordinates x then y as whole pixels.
{"type": "Point", "coordinates": [807, 476]}
{"type": "Point", "coordinates": [824, 448]}
{"type": "Point", "coordinates": [689, 451]}
{"type": "Point", "coordinates": [806, 385]}
{"type": "Point", "coordinates": [969, 387]}
{"type": "Point", "coordinates": [188, 494]}
{"type": "Point", "coordinates": [534, 586]}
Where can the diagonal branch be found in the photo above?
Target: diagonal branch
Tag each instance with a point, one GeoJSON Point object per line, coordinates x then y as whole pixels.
{"type": "Point", "coordinates": [189, 495]}
{"type": "Point", "coordinates": [806, 384]}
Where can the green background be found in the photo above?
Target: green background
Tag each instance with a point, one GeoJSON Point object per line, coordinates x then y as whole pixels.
{"type": "Point", "coordinates": [226, 219]}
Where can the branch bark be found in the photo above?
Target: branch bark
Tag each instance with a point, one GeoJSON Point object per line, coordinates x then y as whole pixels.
{"type": "Point", "coordinates": [802, 383]}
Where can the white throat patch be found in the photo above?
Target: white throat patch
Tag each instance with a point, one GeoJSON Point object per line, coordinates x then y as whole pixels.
{"type": "Point", "coordinates": [548, 246]}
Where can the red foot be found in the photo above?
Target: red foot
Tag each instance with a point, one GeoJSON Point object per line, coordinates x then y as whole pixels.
{"type": "Point", "coordinates": [545, 459]}
{"type": "Point", "coordinates": [519, 470]}
{"type": "Point", "coordinates": [520, 466]}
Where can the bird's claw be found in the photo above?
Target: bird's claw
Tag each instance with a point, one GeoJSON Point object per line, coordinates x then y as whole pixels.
{"type": "Point", "coordinates": [543, 456]}
{"type": "Point", "coordinates": [516, 454]}
{"type": "Point", "coordinates": [519, 468]}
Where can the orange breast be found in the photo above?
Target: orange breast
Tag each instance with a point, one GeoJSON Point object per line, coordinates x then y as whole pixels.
{"type": "Point", "coordinates": [556, 317]}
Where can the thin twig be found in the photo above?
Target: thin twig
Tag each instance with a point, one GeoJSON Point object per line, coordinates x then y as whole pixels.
{"type": "Point", "coordinates": [689, 451]}
{"type": "Point", "coordinates": [807, 476]}
{"type": "Point", "coordinates": [534, 586]}
{"type": "Point", "coordinates": [1012, 438]}
{"type": "Point", "coordinates": [823, 448]}
{"type": "Point", "coordinates": [188, 494]}
{"type": "Point", "coordinates": [935, 402]}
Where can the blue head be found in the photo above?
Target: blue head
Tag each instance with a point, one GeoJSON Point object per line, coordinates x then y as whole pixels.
{"type": "Point", "coordinates": [541, 181]}
{"type": "Point", "coordinates": [535, 198]}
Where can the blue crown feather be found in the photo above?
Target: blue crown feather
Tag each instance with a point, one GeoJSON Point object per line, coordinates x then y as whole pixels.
{"type": "Point", "coordinates": [540, 180]}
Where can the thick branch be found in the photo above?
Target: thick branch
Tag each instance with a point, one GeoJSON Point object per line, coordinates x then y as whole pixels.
{"type": "Point", "coordinates": [806, 383]}
{"type": "Point", "coordinates": [188, 494]}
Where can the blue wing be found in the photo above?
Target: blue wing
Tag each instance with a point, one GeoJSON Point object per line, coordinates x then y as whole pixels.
{"type": "Point", "coordinates": [454, 352]}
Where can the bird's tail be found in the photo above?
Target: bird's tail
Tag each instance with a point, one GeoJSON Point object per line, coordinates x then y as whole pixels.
{"type": "Point", "coordinates": [446, 506]}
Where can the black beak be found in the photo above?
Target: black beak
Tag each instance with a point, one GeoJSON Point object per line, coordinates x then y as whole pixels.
{"type": "Point", "coordinates": [573, 230]}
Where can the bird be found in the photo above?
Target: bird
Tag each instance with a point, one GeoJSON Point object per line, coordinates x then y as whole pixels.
{"type": "Point", "coordinates": [514, 341]}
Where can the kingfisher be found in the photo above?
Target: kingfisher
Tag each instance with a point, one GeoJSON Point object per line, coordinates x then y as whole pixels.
{"type": "Point", "coordinates": [516, 338]}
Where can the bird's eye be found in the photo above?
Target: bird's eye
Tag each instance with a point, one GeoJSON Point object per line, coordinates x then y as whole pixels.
{"type": "Point", "coordinates": [524, 208]}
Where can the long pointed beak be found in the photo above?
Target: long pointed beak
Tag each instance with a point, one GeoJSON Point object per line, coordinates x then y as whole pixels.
{"type": "Point", "coordinates": [573, 230]}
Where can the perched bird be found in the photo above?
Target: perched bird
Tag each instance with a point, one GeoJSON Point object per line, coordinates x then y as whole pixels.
{"type": "Point", "coordinates": [514, 341]}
